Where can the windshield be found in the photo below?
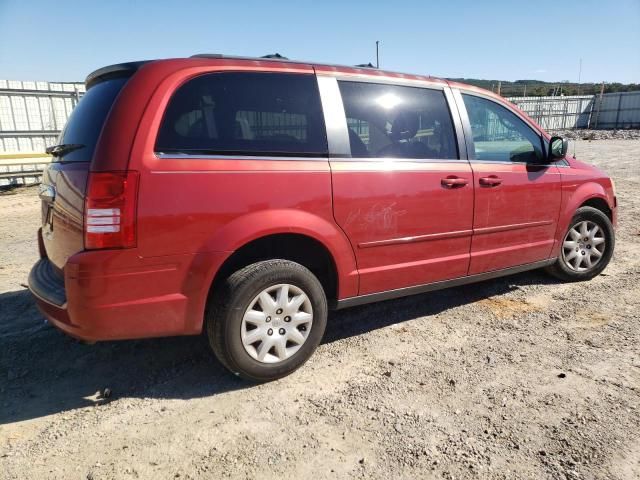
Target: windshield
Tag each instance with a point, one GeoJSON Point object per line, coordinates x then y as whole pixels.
{"type": "Point", "coordinates": [85, 123]}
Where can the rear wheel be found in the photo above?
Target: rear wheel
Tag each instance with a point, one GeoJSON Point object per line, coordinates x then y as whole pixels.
{"type": "Point", "coordinates": [267, 319]}
{"type": "Point", "coordinates": [587, 246]}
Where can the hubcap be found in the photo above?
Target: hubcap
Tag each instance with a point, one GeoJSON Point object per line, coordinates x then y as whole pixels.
{"type": "Point", "coordinates": [277, 323]}
{"type": "Point", "coordinates": [583, 246]}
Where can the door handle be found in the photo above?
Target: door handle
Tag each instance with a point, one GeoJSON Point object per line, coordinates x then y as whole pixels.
{"type": "Point", "coordinates": [490, 181]}
{"type": "Point", "coordinates": [454, 182]}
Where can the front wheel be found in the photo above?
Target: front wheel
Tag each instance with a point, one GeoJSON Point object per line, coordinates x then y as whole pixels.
{"type": "Point", "coordinates": [587, 247]}
{"type": "Point", "coordinates": [267, 319]}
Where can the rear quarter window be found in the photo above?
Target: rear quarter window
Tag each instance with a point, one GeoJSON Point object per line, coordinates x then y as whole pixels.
{"type": "Point", "coordinates": [245, 113]}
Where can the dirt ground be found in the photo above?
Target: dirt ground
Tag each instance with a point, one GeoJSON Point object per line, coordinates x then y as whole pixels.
{"type": "Point", "coordinates": [521, 377]}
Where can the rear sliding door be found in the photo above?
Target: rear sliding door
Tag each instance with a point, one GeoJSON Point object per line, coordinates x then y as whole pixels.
{"type": "Point", "coordinates": [402, 192]}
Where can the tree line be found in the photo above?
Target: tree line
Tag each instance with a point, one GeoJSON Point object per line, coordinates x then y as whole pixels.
{"type": "Point", "coordinates": [538, 88]}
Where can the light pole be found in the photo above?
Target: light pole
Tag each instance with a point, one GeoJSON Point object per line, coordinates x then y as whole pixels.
{"type": "Point", "coordinates": [377, 54]}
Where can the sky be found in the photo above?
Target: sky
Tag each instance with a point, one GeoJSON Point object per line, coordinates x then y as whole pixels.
{"type": "Point", "coordinates": [65, 40]}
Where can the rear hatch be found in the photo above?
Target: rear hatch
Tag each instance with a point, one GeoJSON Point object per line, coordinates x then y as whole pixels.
{"type": "Point", "coordinates": [64, 181]}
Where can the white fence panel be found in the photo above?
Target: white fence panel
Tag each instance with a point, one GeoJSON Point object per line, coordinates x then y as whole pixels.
{"type": "Point", "coordinates": [556, 113]}
{"type": "Point", "coordinates": [617, 110]}
{"type": "Point", "coordinates": [32, 114]}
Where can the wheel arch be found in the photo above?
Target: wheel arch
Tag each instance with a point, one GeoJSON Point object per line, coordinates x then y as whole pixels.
{"type": "Point", "coordinates": [299, 248]}
{"type": "Point", "coordinates": [599, 203]}
{"type": "Point", "coordinates": [590, 194]}
{"type": "Point", "coordinates": [295, 235]}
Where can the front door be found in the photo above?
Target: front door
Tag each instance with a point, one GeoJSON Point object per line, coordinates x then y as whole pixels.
{"type": "Point", "coordinates": [404, 197]}
{"type": "Point", "coordinates": [517, 195]}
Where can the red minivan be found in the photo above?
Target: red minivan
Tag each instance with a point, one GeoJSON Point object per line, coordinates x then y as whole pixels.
{"type": "Point", "coordinates": [245, 197]}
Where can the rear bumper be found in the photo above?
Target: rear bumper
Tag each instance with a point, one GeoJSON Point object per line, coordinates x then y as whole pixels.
{"type": "Point", "coordinates": [115, 294]}
{"type": "Point", "coordinates": [46, 284]}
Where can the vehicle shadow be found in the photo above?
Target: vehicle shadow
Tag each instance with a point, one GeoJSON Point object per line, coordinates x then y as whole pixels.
{"type": "Point", "coordinates": [43, 372]}
{"type": "Point", "coordinates": [357, 320]}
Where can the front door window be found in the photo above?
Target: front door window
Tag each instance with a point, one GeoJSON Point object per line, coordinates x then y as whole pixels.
{"type": "Point", "coordinates": [499, 135]}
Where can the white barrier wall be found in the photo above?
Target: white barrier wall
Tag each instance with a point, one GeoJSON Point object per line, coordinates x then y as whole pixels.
{"type": "Point", "coordinates": [32, 114]}
{"type": "Point", "coordinates": [617, 110]}
{"type": "Point", "coordinates": [556, 113]}
{"type": "Point", "coordinates": [609, 112]}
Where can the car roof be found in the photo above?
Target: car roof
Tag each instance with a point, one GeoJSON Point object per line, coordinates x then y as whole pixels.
{"type": "Point", "coordinates": [129, 68]}
{"type": "Point", "coordinates": [368, 70]}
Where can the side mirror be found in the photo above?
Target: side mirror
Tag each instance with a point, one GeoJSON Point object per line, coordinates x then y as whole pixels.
{"type": "Point", "coordinates": [558, 147]}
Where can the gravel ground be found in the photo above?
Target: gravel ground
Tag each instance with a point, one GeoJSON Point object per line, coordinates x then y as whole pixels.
{"type": "Point", "coordinates": [521, 377]}
{"type": "Point", "coordinates": [627, 134]}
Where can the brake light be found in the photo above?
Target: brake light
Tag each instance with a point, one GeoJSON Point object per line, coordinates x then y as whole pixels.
{"type": "Point", "coordinates": [110, 210]}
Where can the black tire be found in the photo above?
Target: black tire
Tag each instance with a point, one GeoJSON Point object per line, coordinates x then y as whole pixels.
{"type": "Point", "coordinates": [227, 306]}
{"type": "Point", "coordinates": [564, 272]}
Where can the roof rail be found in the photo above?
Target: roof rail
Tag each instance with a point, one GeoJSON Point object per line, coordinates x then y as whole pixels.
{"type": "Point", "coordinates": [207, 55]}
{"type": "Point", "coordinates": [271, 56]}
{"type": "Point", "coordinates": [275, 55]}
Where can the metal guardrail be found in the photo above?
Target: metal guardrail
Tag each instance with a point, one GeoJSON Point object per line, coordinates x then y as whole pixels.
{"type": "Point", "coordinates": [15, 174]}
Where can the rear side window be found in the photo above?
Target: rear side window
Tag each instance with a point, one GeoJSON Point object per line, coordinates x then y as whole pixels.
{"type": "Point", "coordinates": [245, 113]}
{"type": "Point", "coordinates": [499, 135]}
{"type": "Point", "coordinates": [87, 119]}
{"type": "Point", "coordinates": [395, 121]}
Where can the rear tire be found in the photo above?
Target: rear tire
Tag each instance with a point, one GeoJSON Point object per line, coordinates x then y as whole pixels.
{"type": "Point", "coordinates": [267, 319]}
{"type": "Point", "coordinates": [587, 247]}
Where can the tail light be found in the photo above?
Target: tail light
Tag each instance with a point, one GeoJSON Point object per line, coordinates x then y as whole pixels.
{"type": "Point", "coordinates": [110, 210]}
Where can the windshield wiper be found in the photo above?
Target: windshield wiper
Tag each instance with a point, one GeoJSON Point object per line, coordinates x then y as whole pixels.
{"type": "Point", "coordinates": [63, 148]}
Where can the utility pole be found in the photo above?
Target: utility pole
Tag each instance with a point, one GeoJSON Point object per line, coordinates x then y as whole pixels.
{"type": "Point", "coordinates": [579, 76]}
{"type": "Point", "coordinates": [377, 54]}
{"type": "Point", "coordinates": [499, 86]}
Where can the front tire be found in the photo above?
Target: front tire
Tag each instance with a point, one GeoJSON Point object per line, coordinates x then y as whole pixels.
{"type": "Point", "coordinates": [587, 246]}
{"type": "Point", "coordinates": [267, 319]}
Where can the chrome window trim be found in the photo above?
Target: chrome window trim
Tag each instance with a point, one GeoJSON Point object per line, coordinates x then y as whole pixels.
{"type": "Point", "coordinates": [398, 160]}
{"type": "Point", "coordinates": [466, 125]}
{"type": "Point", "coordinates": [458, 128]}
{"type": "Point", "coordinates": [199, 156]}
{"type": "Point", "coordinates": [560, 164]}
{"type": "Point", "coordinates": [335, 120]}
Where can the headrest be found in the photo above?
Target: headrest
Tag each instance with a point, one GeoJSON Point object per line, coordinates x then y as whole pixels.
{"type": "Point", "coordinates": [405, 126]}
